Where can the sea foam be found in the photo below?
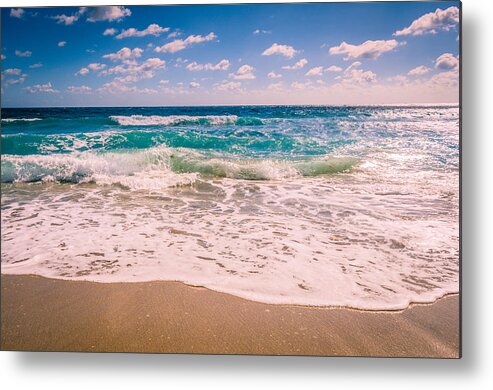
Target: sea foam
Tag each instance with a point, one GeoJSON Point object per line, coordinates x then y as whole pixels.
{"type": "Point", "coordinates": [160, 162]}
{"type": "Point", "coordinates": [317, 242]}
{"type": "Point", "coordinates": [10, 120]}
{"type": "Point", "coordinates": [176, 120]}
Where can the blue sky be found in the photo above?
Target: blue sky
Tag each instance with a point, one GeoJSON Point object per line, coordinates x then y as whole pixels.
{"type": "Point", "coordinates": [332, 53]}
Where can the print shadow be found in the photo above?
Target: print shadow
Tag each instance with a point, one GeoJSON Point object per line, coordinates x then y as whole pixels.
{"type": "Point", "coordinates": [33, 362]}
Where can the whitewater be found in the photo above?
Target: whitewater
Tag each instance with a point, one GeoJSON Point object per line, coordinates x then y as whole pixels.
{"type": "Point", "coordinates": [321, 206]}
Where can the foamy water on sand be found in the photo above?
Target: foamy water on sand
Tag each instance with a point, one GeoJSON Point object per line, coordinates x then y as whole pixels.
{"type": "Point", "coordinates": [349, 207]}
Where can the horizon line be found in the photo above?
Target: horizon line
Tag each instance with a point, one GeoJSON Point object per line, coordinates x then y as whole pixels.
{"type": "Point", "coordinates": [253, 105]}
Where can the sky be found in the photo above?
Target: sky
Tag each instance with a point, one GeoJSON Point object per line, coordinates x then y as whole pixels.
{"type": "Point", "coordinates": [325, 53]}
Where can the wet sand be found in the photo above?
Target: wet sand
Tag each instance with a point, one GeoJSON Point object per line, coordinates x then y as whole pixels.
{"type": "Point", "coordinates": [40, 314]}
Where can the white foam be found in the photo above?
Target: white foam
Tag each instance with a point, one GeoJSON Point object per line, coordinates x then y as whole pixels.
{"type": "Point", "coordinates": [149, 120]}
{"type": "Point", "coordinates": [338, 241]}
{"type": "Point", "coordinates": [148, 169]}
{"type": "Point", "coordinates": [132, 165]}
{"type": "Point", "coordinates": [20, 119]}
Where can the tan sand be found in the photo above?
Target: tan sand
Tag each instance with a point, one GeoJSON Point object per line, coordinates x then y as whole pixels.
{"type": "Point", "coordinates": [40, 314]}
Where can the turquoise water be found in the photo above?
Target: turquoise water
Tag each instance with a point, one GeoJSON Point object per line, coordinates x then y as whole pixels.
{"type": "Point", "coordinates": [205, 140]}
{"type": "Point", "coordinates": [337, 206]}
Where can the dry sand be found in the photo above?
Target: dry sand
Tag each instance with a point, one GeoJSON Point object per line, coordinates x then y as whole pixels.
{"type": "Point", "coordinates": [40, 314]}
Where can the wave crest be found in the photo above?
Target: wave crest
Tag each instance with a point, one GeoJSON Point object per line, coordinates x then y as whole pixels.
{"type": "Point", "coordinates": [259, 169]}
{"type": "Point", "coordinates": [158, 167]}
{"type": "Point", "coordinates": [11, 120]}
{"type": "Point", "coordinates": [180, 120]}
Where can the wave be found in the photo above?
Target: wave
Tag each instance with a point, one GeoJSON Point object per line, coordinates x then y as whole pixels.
{"type": "Point", "coordinates": [252, 141]}
{"type": "Point", "coordinates": [158, 167]}
{"type": "Point", "coordinates": [11, 120]}
{"type": "Point", "coordinates": [180, 120]}
{"type": "Point", "coordinates": [259, 169]}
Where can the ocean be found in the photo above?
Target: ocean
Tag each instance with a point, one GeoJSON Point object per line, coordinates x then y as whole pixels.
{"type": "Point", "coordinates": [308, 205]}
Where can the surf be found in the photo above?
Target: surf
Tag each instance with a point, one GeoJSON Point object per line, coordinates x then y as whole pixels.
{"type": "Point", "coordinates": [181, 120]}
{"type": "Point", "coordinates": [83, 167]}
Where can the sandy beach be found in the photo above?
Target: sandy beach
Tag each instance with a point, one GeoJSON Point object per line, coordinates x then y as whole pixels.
{"type": "Point", "coordinates": [41, 314]}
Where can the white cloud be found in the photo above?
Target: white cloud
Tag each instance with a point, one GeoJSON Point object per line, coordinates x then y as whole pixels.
{"type": "Point", "coordinates": [274, 75]}
{"type": "Point", "coordinates": [174, 34]}
{"type": "Point", "coordinates": [316, 71]}
{"type": "Point", "coordinates": [444, 83]}
{"type": "Point", "coordinates": [447, 61]}
{"type": "Point", "coordinates": [4, 57]}
{"type": "Point", "coordinates": [181, 44]}
{"type": "Point", "coordinates": [110, 31]}
{"type": "Point", "coordinates": [62, 43]}
{"type": "Point", "coordinates": [228, 86]}
{"type": "Point", "coordinates": [163, 82]}
{"type": "Point", "coordinates": [95, 66]}
{"type": "Point", "coordinates": [17, 13]}
{"type": "Point", "coordinates": [179, 88]}
{"type": "Point", "coordinates": [446, 79]}
{"type": "Point", "coordinates": [431, 22]}
{"type": "Point", "coordinates": [12, 72]}
{"type": "Point", "coordinates": [419, 71]}
{"type": "Point", "coordinates": [82, 72]}
{"type": "Point", "coordinates": [221, 65]}
{"type": "Point", "coordinates": [195, 67]}
{"type": "Point", "coordinates": [41, 88]}
{"type": "Point", "coordinates": [147, 91]}
{"type": "Point", "coordinates": [259, 31]}
{"type": "Point", "coordinates": [275, 86]}
{"type": "Point", "coordinates": [354, 75]}
{"type": "Point", "coordinates": [300, 64]}
{"type": "Point", "coordinates": [334, 69]}
{"type": "Point", "coordinates": [107, 13]}
{"type": "Point", "coordinates": [152, 29]}
{"type": "Point", "coordinates": [94, 14]}
{"type": "Point", "coordinates": [68, 20]}
{"type": "Point", "coordinates": [131, 71]}
{"type": "Point", "coordinates": [399, 79]}
{"type": "Point", "coordinates": [283, 50]}
{"type": "Point", "coordinates": [299, 86]}
{"type": "Point", "coordinates": [26, 53]}
{"type": "Point", "coordinates": [37, 65]}
{"type": "Point", "coordinates": [124, 54]}
{"type": "Point", "coordinates": [19, 80]}
{"type": "Point", "coordinates": [308, 86]}
{"type": "Point", "coordinates": [244, 72]}
{"type": "Point", "coordinates": [79, 90]}
{"type": "Point", "coordinates": [117, 87]}
{"type": "Point", "coordinates": [366, 50]}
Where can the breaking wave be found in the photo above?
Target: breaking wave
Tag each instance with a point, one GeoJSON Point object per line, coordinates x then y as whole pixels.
{"type": "Point", "coordinates": [158, 167]}
{"type": "Point", "coordinates": [180, 120]}
{"type": "Point", "coordinates": [11, 120]}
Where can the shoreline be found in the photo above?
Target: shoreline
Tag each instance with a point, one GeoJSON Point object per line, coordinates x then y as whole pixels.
{"type": "Point", "coordinates": [172, 317]}
{"type": "Point", "coordinates": [219, 291]}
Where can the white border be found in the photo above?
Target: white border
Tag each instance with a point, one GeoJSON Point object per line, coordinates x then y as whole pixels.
{"type": "Point", "coordinates": [475, 371]}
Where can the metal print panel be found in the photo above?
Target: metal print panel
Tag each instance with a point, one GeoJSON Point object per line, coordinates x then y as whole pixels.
{"type": "Point", "coordinates": [232, 179]}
